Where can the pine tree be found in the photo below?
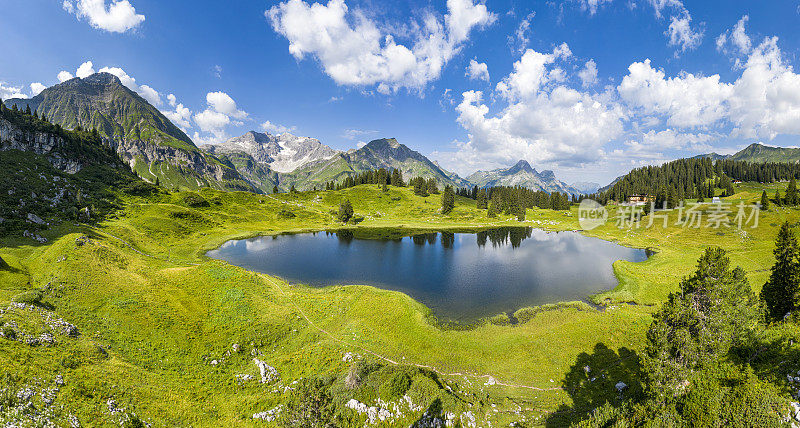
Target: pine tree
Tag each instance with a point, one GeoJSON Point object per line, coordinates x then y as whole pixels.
{"type": "Point", "coordinates": [780, 291]}
{"type": "Point", "coordinates": [482, 202]}
{"type": "Point", "coordinates": [764, 201]}
{"type": "Point", "coordinates": [791, 193]}
{"type": "Point", "coordinates": [345, 211]}
{"type": "Point", "coordinates": [433, 188]}
{"type": "Point", "coordinates": [292, 189]}
{"type": "Point", "coordinates": [448, 200]}
{"type": "Point", "coordinates": [28, 109]}
{"type": "Point", "coordinates": [778, 200]}
{"type": "Point", "coordinates": [158, 182]}
{"type": "Point", "coordinates": [274, 189]}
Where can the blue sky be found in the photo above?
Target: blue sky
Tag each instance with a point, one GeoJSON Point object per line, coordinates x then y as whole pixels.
{"type": "Point", "coordinates": [588, 88]}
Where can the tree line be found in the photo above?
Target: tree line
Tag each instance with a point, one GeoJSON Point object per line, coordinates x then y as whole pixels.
{"type": "Point", "coordinates": [695, 178]}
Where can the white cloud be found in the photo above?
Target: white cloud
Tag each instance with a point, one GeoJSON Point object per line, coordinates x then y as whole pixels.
{"type": "Point", "coordinates": [592, 5]}
{"type": "Point", "coordinates": [274, 128]}
{"type": "Point", "coordinates": [653, 143]}
{"type": "Point", "coordinates": [64, 75]}
{"type": "Point", "coordinates": [85, 70]}
{"type": "Point", "coordinates": [181, 116]}
{"type": "Point", "coordinates": [151, 95]}
{"type": "Point", "coordinates": [352, 134]}
{"type": "Point", "coordinates": [37, 88]}
{"type": "Point", "coordinates": [531, 73]}
{"type": "Point", "coordinates": [737, 36]}
{"type": "Point", "coordinates": [223, 103]}
{"type": "Point", "coordinates": [686, 100]}
{"type": "Point", "coordinates": [218, 71]}
{"type": "Point", "coordinates": [220, 112]}
{"type": "Point", "coordinates": [543, 121]}
{"type": "Point", "coordinates": [680, 33]}
{"type": "Point", "coordinates": [118, 16]}
{"type": "Point", "coordinates": [213, 122]}
{"type": "Point", "coordinates": [520, 40]}
{"type": "Point", "coordinates": [172, 100]}
{"type": "Point", "coordinates": [353, 50]}
{"type": "Point", "coordinates": [763, 102]}
{"type": "Point", "coordinates": [7, 91]}
{"type": "Point", "coordinates": [588, 74]}
{"type": "Point", "coordinates": [477, 70]}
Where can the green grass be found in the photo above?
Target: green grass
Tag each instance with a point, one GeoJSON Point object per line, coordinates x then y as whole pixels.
{"type": "Point", "coordinates": [162, 311]}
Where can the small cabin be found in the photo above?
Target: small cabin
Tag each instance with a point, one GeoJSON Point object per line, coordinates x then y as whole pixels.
{"type": "Point", "coordinates": [638, 199]}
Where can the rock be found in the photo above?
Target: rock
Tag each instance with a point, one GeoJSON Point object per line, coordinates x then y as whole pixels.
{"type": "Point", "coordinates": [214, 362]}
{"type": "Point", "coordinates": [620, 386]}
{"type": "Point", "coordinates": [235, 347]}
{"type": "Point", "coordinates": [33, 218]}
{"type": "Point", "coordinates": [59, 380]}
{"type": "Point", "coordinates": [268, 373]}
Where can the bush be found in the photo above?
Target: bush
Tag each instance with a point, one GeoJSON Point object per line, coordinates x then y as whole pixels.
{"type": "Point", "coordinates": [30, 297]}
{"type": "Point", "coordinates": [195, 201]}
{"type": "Point", "coordinates": [395, 386]}
{"type": "Point", "coordinates": [356, 219]}
{"type": "Point", "coordinates": [286, 214]}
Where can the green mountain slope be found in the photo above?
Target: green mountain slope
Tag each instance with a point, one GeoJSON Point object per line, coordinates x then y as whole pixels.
{"type": "Point", "coordinates": [761, 153]}
{"type": "Point", "coordinates": [49, 175]}
{"type": "Point", "coordinates": [145, 139]}
{"type": "Point", "coordinates": [382, 153]}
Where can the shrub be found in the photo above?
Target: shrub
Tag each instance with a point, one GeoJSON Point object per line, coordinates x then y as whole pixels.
{"type": "Point", "coordinates": [286, 214]}
{"type": "Point", "coordinates": [345, 211]}
{"type": "Point", "coordinates": [395, 386]}
{"type": "Point", "coordinates": [195, 201]}
{"type": "Point", "coordinates": [30, 297]}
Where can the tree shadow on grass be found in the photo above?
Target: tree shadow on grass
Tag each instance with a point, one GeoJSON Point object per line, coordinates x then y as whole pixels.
{"type": "Point", "coordinates": [592, 382]}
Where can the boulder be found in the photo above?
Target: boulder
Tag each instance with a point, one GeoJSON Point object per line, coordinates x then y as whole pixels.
{"type": "Point", "coordinates": [33, 218]}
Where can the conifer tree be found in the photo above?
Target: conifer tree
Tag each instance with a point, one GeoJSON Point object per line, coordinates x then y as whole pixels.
{"type": "Point", "coordinates": [274, 189]}
{"type": "Point", "coordinates": [345, 211]}
{"type": "Point", "coordinates": [482, 202]}
{"type": "Point", "coordinates": [764, 201]}
{"type": "Point", "coordinates": [448, 200]}
{"type": "Point", "coordinates": [28, 109]}
{"type": "Point", "coordinates": [780, 291]}
{"type": "Point", "coordinates": [791, 193]}
{"type": "Point", "coordinates": [778, 200]}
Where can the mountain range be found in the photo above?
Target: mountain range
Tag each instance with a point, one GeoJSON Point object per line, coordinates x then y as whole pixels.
{"type": "Point", "coordinates": [522, 174]}
{"type": "Point", "coordinates": [757, 152]}
{"type": "Point", "coordinates": [159, 151]}
{"type": "Point", "coordinates": [149, 142]}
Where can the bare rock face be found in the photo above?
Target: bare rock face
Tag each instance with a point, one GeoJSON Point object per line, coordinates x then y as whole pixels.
{"type": "Point", "coordinates": [280, 153]}
{"type": "Point", "coordinates": [41, 143]}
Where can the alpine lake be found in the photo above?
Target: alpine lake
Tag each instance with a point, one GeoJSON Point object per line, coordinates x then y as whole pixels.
{"type": "Point", "coordinates": [460, 276]}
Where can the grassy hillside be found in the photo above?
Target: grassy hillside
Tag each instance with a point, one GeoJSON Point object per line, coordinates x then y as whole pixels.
{"type": "Point", "coordinates": [164, 332]}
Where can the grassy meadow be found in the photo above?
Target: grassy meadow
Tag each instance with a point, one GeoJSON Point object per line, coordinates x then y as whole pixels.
{"type": "Point", "coordinates": [165, 331]}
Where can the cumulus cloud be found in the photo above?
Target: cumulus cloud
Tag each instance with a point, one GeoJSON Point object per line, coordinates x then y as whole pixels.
{"type": "Point", "coordinates": [588, 74]}
{"type": "Point", "coordinates": [763, 102]}
{"type": "Point", "coordinates": [352, 134]}
{"type": "Point", "coordinates": [477, 70]}
{"type": "Point", "coordinates": [543, 121]}
{"type": "Point", "coordinates": [151, 95]}
{"type": "Point", "coordinates": [64, 75]}
{"type": "Point", "coordinates": [85, 70]}
{"type": "Point", "coordinates": [37, 88]}
{"type": "Point", "coordinates": [274, 128]}
{"type": "Point", "coordinates": [653, 144]}
{"type": "Point", "coordinates": [118, 16]}
{"type": "Point", "coordinates": [223, 103]}
{"type": "Point", "coordinates": [220, 112]}
{"type": "Point", "coordinates": [7, 91]}
{"type": "Point", "coordinates": [531, 73]}
{"type": "Point", "coordinates": [356, 51]}
{"type": "Point", "coordinates": [181, 116]}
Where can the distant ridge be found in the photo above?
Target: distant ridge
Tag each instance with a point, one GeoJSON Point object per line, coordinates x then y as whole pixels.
{"type": "Point", "coordinates": [522, 174]}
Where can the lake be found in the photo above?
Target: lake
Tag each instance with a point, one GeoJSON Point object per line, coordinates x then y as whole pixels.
{"type": "Point", "coordinates": [460, 276]}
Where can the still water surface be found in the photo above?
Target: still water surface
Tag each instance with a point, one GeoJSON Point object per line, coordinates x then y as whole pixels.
{"type": "Point", "coordinates": [462, 276]}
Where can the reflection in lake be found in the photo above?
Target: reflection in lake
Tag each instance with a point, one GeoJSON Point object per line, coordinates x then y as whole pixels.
{"type": "Point", "coordinates": [456, 274]}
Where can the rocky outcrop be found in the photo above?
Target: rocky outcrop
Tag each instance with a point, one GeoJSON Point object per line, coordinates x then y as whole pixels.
{"type": "Point", "coordinates": [280, 153]}
{"type": "Point", "coordinates": [191, 162]}
{"type": "Point", "coordinates": [41, 143]}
